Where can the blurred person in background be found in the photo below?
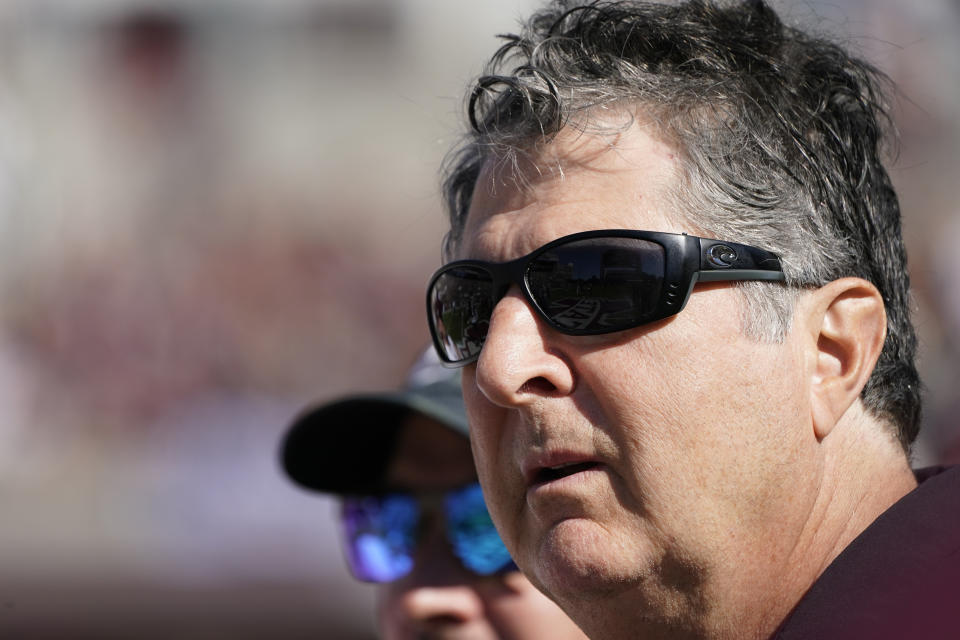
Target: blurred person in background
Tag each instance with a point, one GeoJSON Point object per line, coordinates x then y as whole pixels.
{"type": "Point", "coordinates": [413, 516]}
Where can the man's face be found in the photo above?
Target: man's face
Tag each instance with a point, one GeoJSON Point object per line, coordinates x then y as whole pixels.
{"type": "Point", "coordinates": [660, 463]}
{"type": "Point", "coordinates": [440, 598]}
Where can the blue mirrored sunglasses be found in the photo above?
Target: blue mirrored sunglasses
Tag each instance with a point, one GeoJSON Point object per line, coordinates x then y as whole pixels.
{"type": "Point", "coordinates": [382, 532]}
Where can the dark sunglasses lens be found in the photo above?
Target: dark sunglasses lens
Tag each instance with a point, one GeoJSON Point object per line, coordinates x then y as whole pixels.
{"type": "Point", "coordinates": [598, 285]}
{"type": "Point", "coordinates": [461, 301]}
{"type": "Point", "coordinates": [381, 535]}
{"type": "Point", "coordinates": [475, 540]}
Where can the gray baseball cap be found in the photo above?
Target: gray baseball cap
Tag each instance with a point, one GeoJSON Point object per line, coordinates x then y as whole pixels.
{"type": "Point", "coordinates": [344, 446]}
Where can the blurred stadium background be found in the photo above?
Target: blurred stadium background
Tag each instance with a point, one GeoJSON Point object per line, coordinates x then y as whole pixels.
{"type": "Point", "coordinates": [213, 212]}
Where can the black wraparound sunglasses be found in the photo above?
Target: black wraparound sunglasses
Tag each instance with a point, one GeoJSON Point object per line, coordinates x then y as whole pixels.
{"type": "Point", "coordinates": [587, 283]}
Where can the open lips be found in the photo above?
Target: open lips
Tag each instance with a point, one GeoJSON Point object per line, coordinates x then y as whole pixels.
{"type": "Point", "coordinates": [548, 474]}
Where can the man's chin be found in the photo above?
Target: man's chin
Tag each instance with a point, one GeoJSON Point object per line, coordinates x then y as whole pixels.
{"type": "Point", "coordinates": [579, 559]}
{"type": "Point", "coordinates": [598, 580]}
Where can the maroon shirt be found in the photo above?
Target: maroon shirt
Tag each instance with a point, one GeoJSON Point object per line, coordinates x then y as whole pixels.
{"type": "Point", "coordinates": [900, 578]}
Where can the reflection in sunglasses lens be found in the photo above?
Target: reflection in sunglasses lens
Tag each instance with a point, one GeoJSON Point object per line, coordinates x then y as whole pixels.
{"type": "Point", "coordinates": [381, 536]}
{"type": "Point", "coordinates": [594, 285]}
{"type": "Point", "coordinates": [475, 540]}
{"type": "Point", "coordinates": [598, 285]}
{"type": "Point", "coordinates": [461, 306]}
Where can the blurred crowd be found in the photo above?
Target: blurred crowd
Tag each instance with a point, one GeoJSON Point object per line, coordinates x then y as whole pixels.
{"type": "Point", "coordinates": [215, 212]}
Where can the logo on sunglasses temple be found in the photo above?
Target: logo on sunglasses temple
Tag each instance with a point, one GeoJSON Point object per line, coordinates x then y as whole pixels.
{"type": "Point", "coordinates": [722, 256]}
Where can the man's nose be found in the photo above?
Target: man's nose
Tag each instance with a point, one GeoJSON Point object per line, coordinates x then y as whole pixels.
{"type": "Point", "coordinates": [439, 606]}
{"type": "Point", "coordinates": [521, 359]}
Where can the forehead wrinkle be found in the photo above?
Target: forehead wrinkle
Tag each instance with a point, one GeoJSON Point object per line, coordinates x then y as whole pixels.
{"type": "Point", "coordinates": [616, 181]}
{"type": "Point", "coordinates": [489, 242]}
{"type": "Point", "coordinates": [533, 168]}
{"type": "Point", "coordinates": [502, 235]}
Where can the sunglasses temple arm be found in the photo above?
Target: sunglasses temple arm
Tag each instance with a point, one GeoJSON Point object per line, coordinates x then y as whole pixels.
{"type": "Point", "coordinates": [736, 261]}
{"type": "Point", "coordinates": [740, 274]}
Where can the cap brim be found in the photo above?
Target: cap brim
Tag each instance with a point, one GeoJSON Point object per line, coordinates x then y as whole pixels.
{"type": "Point", "coordinates": [345, 446]}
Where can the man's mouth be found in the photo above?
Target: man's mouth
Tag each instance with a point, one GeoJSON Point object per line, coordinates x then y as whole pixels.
{"type": "Point", "coordinates": [549, 474]}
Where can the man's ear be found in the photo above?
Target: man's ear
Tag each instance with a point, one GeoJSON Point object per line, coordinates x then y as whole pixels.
{"type": "Point", "coordinates": [847, 324]}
